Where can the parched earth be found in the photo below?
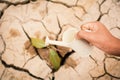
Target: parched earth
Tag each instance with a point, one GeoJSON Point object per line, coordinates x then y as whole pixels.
{"type": "Point", "coordinates": [22, 19]}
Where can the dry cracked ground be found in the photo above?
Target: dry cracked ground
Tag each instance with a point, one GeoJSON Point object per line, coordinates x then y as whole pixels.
{"type": "Point", "coordinates": [22, 19]}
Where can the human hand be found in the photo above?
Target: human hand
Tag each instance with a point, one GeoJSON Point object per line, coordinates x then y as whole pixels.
{"type": "Point", "coordinates": [98, 35]}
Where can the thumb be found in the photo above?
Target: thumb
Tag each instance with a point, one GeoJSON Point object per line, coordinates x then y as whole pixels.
{"type": "Point", "coordinates": [84, 35]}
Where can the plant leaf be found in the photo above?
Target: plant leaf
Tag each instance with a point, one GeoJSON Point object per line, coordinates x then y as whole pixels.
{"type": "Point", "coordinates": [54, 59]}
{"type": "Point", "coordinates": [38, 43]}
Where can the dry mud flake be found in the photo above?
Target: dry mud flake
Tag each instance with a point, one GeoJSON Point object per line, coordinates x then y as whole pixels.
{"type": "Point", "coordinates": [11, 74]}
{"type": "Point", "coordinates": [3, 6]}
{"type": "Point", "coordinates": [113, 67]}
{"type": "Point", "coordinates": [2, 45]}
{"type": "Point", "coordinates": [2, 69]}
{"type": "Point", "coordinates": [111, 11]}
{"type": "Point", "coordinates": [66, 73]}
{"type": "Point", "coordinates": [116, 32]}
{"type": "Point", "coordinates": [15, 1]}
{"type": "Point", "coordinates": [38, 67]}
{"type": "Point", "coordinates": [13, 36]}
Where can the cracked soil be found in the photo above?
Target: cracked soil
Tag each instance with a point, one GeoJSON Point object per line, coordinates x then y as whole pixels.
{"type": "Point", "coordinates": [22, 19]}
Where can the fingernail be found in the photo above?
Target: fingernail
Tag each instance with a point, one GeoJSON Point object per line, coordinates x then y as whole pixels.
{"type": "Point", "coordinates": [88, 30]}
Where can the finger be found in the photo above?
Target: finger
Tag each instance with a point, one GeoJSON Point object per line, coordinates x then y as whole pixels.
{"type": "Point", "coordinates": [78, 36]}
{"type": "Point", "coordinates": [89, 27]}
{"type": "Point", "coordinates": [83, 35]}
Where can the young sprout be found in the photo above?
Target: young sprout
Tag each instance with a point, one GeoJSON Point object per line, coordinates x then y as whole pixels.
{"type": "Point", "coordinates": [38, 43]}
{"type": "Point", "coordinates": [54, 58]}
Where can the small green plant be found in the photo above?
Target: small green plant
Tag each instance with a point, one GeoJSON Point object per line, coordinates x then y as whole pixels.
{"type": "Point", "coordinates": [38, 43]}
{"type": "Point", "coordinates": [54, 58]}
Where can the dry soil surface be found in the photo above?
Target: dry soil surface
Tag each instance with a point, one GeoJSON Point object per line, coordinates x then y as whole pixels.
{"type": "Point", "coordinates": [22, 19]}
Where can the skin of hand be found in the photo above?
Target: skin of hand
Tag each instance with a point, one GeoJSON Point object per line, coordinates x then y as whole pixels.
{"type": "Point", "coordinates": [98, 35]}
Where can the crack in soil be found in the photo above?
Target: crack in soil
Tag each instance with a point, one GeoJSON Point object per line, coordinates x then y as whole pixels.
{"type": "Point", "coordinates": [76, 2]}
{"type": "Point", "coordinates": [16, 67]}
{"type": "Point", "coordinates": [16, 3]}
{"type": "Point", "coordinates": [19, 69]}
{"type": "Point", "coordinates": [78, 17]}
{"type": "Point", "coordinates": [109, 73]}
{"type": "Point", "coordinates": [1, 13]}
{"type": "Point", "coordinates": [104, 66]}
{"type": "Point", "coordinates": [30, 41]}
{"type": "Point", "coordinates": [93, 59]}
{"type": "Point", "coordinates": [102, 14]}
{"type": "Point", "coordinates": [1, 52]}
{"type": "Point", "coordinates": [58, 21]}
{"type": "Point", "coordinates": [95, 78]}
{"type": "Point", "coordinates": [47, 29]}
{"type": "Point", "coordinates": [46, 10]}
{"type": "Point", "coordinates": [2, 74]}
{"type": "Point", "coordinates": [113, 57]}
{"type": "Point", "coordinates": [66, 56]}
{"type": "Point", "coordinates": [115, 27]}
{"type": "Point", "coordinates": [68, 6]}
{"type": "Point", "coordinates": [29, 60]}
